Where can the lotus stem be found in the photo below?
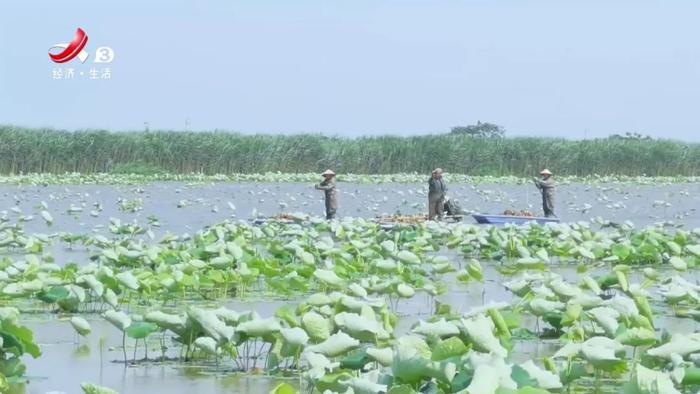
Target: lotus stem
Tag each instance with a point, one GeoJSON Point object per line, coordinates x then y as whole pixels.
{"type": "Point", "coordinates": [162, 347]}
{"type": "Point", "coordinates": [124, 346]}
{"type": "Point", "coordinates": [136, 346]}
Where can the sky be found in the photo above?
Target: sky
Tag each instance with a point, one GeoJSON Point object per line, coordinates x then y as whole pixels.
{"type": "Point", "coordinates": [575, 69]}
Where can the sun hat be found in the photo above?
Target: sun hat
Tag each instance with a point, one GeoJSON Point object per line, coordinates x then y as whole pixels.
{"type": "Point", "coordinates": [328, 172]}
{"type": "Point", "coordinates": [437, 170]}
{"type": "Point", "coordinates": [545, 172]}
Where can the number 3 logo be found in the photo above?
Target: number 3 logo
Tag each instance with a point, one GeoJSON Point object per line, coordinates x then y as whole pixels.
{"type": "Point", "coordinates": [104, 55]}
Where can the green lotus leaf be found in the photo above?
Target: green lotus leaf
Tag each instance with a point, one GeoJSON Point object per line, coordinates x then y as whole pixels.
{"type": "Point", "coordinates": [89, 388]}
{"type": "Point", "coordinates": [316, 326]}
{"type": "Point", "coordinates": [140, 330]}
{"type": "Point", "coordinates": [337, 344]}
{"type": "Point", "coordinates": [118, 319]}
{"type": "Point", "coordinates": [80, 325]}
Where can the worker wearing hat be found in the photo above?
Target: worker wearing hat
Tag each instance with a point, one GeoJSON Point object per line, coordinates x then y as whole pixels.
{"type": "Point", "coordinates": [436, 194]}
{"type": "Point", "coordinates": [546, 186]}
{"type": "Point", "coordinates": [330, 193]}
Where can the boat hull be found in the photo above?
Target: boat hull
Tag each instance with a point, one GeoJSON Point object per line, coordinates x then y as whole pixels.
{"type": "Point", "coordinates": [504, 219]}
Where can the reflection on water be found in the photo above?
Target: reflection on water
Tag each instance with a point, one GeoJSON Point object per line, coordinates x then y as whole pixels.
{"type": "Point", "coordinates": [66, 361]}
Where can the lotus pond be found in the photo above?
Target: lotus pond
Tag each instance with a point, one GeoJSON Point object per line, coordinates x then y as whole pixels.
{"type": "Point", "coordinates": [169, 288]}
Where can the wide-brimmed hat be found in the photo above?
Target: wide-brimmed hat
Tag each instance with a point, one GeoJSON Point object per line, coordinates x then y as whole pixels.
{"type": "Point", "coordinates": [437, 171]}
{"type": "Point", "coordinates": [545, 172]}
{"type": "Point", "coordinates": [328, 172]}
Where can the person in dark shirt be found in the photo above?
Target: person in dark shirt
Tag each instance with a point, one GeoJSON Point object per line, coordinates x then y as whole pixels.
{"type": "Point", "coordinates": [546, 186]}
{"type": "Point", "coordinates": [330, 193]}
{"type": "Point", "coordinates": [436, 195]}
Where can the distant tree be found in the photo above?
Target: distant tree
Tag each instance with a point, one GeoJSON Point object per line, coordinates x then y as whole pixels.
{"type": "Point", "coordinates": [486, 130]}
{"type": "Point", "coordinates": [630, 136]}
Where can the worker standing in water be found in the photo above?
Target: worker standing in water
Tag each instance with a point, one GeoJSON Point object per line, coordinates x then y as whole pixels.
{"type": "Point", "coordinates": [330, 193]}
{"type": "Point", "coordinates": [546, 186]}
{"type": "Point", "coordinates": [436, 195]}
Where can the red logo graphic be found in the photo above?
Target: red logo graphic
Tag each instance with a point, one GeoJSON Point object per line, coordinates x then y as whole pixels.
{"type": "Point", "coordinates": [72, 49]}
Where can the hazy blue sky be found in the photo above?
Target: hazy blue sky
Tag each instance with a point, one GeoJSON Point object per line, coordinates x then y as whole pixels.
{"type": "Point", "coordinates": [360, 67]}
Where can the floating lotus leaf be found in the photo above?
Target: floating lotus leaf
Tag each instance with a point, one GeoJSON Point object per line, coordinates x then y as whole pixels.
{"type": "Point", "coordinates": [222, 262]}
{"type": "Point", "coordinates": [648, 381]}
{"type": "Point", "coordinates": [544, 378]}
{"type": "Point", "coordinates": [128, 280]}
{"type": "Point", "coordinates": [47, 217]}
{"type": "Point", "coordinates": [363, 386]}
{"type": "Point", "coordinates": [207, 344]}
{"type": "Point", "coordinates": [405, 291]}
{"type": "Point", "coordinates": [230, 317]}
{"type": "Point", "coordinates": [235, 250]}
{"type": "Point", "coordinates": [541, 306]}
{"type": "Point", "coordinates": [408, 257]}
{"type": "Point", "coordinates": [694, 249]}
{"type": "Point", "coordinates": [591, 284]}
{"type": "Point", "coordinates": [357, 290]}
{"type": "Point", "coordinates": [259, 327]}
{"type": "Point", "coordinates": [118, 319]}
{"type": "Point", "coordinates": [337, 344]}
{"type": "Point", "coordinates": [89, 388]}
{"type": "Point", "coordinates": [295, 336]}
{"type": "Point", "coordinates": [80, 325]}
{"type": "Point", "coordinates": [440, 328]}
{"type": "Point", "coordinates": [474, 270]}
{"type": "Point", "coordinates": [644, 308]}
{"type": "Point", "coordinates": [211, 324]}
{"type": "Point", "coordinates": [386, 265]}
{"type": "Point", "coordinates": [480, 330]}
{"type": "Point", "coordinates": [563, 289]}
{"type": "Point", "coordinates": [306, 257]}
{"type": "Point", "coordinates": [111, 298]}
{"type": "Point", "coordinates": [53, 294]}
{"type": "Point", "coordinates": [9, 314]}
{"type": "Point", "coordinates": [388, 246]}
{"type": "Point", "coordinates": [679, 344]}
{"type": "Point", "coordinates": [450, 347]}
{"type": "Point", "coordinates": [140, 330]}
{"type": "Point", "coordinates": [485, 380]}
{"type": "Point", "coordinates": [329, 278]}
{"type": "Point", "coordinates": [383, 356]}
{"type": "Point", "coordinates": [318, 364]}
{"type": "Point", "coordinates": [175, 323]}
{"type": "Point", "coordinates": [678, 263]}
{"type": "Point", "coordinates": [624, 305]}
{"type": "Point", "coordinates": [284, 388]}
{"type": "Point", "coordinates": [95, 285]}
{"type": "Point", "coordinates": [316, 326]}
{"type": "Point", "coordinates": [500, 323]}
{"type": "Point", "coordinates": [637, 336]}
{"type": "Point", "coordinates": [354, 304]}
{"type": "Point", "coordinates": [607, 318]}
{"type": "Point", "coordinates": [318, 299]}
{"type": "Point", "coordinates": [600, 352]}
{"type": "Point", "coordinates": [360, 327]}
{"type": "Point", "coordinates": [411, 362]}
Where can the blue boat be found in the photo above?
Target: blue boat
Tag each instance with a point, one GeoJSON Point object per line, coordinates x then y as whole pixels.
{"type": "Point", "coordinates": [503, 219]}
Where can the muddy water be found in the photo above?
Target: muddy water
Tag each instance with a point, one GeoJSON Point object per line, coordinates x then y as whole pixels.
{"type": "Point", "coordinates": [66, 361]}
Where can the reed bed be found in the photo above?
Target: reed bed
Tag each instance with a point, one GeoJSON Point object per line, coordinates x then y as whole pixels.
{"type": "Point", "coordinates": [24, 150]}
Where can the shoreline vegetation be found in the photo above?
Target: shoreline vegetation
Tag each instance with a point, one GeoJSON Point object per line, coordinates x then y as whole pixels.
{"type": "Point", "coordinates": [159, 153]}
{"type": "Point", "coordinates": [278, 177]}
